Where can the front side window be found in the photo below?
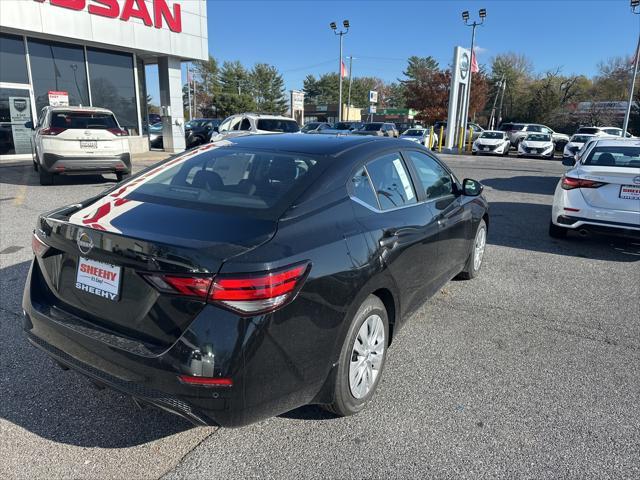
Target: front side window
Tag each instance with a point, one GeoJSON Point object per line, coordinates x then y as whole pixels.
{"type": "Point", "coordinates": [534, 128]}
{"type": "Point", "coordinates": [362, 190]}
{"type": "Point", "coordinates": [113, 85]}
{"type": "Point", "coordinates": [391, 182]}
{"type": "Point", "coordinates": [434, 179]}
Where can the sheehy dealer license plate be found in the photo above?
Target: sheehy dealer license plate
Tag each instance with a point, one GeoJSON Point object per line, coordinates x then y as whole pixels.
{"type": "Point", "coordinates": [97, 278]}
{"type": "Point", "coordinates": [630, 192]}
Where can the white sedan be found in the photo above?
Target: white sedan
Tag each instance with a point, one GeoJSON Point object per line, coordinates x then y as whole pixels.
{"type": "Point", "coordinates": [575, 143]}
{"type": "Point", "coordinates": [536, 145]}
{"type": "Point", "coordinates": [492, 141]}
{"type": "Point", "coordinates": [421, 135]}
{"type": "Point", "coordinates": [601, 192]}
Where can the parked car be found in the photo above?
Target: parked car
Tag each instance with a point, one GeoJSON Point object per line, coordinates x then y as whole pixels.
{"type": "Point", "coordinates": [610, 131]}
{"type": "Point", "coordinates": [575, 143]}
{"type": "Point", "coordinates": [199, 131]}
{"type": "Point", "coordinates": [342, 128]}
{"type": "Point", "coordinates": [154, 118]}
{"type": "Point", "coordinates": [492, 141]}
{"type": "Point", "coordinates": [256, 124]}
{"type": "Point", "coordinates": [315, 127]}
{"type": "Point", "coordinates": [246, 278]}
{"type": "Point", "coordinates": [477, 130]}
{"type": "Point", "coordinates": [79, 140]}
{"type": "Point", "coordinates": [421, 135]}
{"type": "Point", "coordinates": [516, 136]}
{"type": "Point", "coordinates": [511, 129]}
{"type": "Point", "coordinates": [536, 145]}
{"type": "Point", "coordinates": [380, 129]}
{"type": "Point", "coordinates": [601, 192]}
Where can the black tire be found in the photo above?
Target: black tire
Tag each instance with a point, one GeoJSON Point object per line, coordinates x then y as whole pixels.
{"type": "Point", "coordinates": [470, 271]}
{"type": "Point", "coordinates": [35, 166]}
{"type": "Point", "coordinates": [46, 178]}
{"type": "Point", "coordinates": [122, 175]}
{"type": "Point", "coordinates": [344, 402]}
{"type": "Point", "coordinates": [557, 232]}
{"type": "Point", "coordinates": [506, 152]}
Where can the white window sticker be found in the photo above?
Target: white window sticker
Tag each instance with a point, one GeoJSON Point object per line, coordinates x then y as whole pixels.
{"type": "Point", "coordinates": [406, 184]}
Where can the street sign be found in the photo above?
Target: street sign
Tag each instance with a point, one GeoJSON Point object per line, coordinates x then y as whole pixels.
{"type": "Point", "coordinates": [373, 96]}
{"type": "Point", "coordinates": [372, 109]}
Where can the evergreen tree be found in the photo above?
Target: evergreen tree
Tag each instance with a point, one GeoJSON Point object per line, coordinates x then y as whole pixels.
{"type": "Point", "coordinates": [267, 89]}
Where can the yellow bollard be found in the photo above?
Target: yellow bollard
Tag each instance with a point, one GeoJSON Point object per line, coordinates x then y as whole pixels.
{"type": "Point", "coordinates": [461, 140]}
{"type": "Point", "coordinates": [440, 139]}
{"type": "Point", "coordinates": [430, 138]}
{"type": "Point", "coordinates": [470, 139]}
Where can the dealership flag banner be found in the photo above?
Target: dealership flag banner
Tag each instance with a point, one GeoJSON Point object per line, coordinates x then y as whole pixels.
{"type": "Point", "coordinates": [20, 111]}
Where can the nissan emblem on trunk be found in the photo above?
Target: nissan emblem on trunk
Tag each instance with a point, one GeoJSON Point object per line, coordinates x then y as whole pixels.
{"type": "Point", "coordinates": [85, 244]}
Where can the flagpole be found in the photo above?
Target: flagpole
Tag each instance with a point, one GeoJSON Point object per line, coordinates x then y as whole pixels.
{"type": "Point", "coordinates": [349, 96]}
{"type": "Point", "coordinates": [633, 84]}
{"type": "Point", "coordinates": [195, 105]}
{"type": "Point", "coordinates": [189, 90]}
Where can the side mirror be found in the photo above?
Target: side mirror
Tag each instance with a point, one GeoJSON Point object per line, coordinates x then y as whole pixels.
{"type": "Point", "coordinates": [29, 125]}
{"type": "Point", "coordinates": [568, 161]}
{"type": "Point", "coordinates": [471, 188]}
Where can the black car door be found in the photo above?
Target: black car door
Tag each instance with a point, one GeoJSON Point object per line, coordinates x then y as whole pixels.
{"type": "Point", "coordinates": [438, 188]}
{"type": "Point", "coordinates": [402, 230]}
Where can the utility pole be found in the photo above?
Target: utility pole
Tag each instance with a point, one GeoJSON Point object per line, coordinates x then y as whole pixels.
{"type": "Point", "coordinates": [465, 16]}
{"type": "Point", "coordinates": [492, 117]}
{"type": "Point", "coordinates": [189, 90]}
{"type": "Point", "coordinates": [349, 96]}
{"type": "Point", "coordinates": [341, 34]}
{"type": "Point", "coordinates": [504, 87]}
{"type": "Point", "coordinates": [634, 5]}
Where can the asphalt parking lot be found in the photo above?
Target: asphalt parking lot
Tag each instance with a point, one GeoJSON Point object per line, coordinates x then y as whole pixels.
{"type": "Point", "coordinates": [532, 370]}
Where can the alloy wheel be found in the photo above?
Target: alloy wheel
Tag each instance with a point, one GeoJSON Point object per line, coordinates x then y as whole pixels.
{"type": "Point", "coordinates": [366, 356]}
{"type": "Point", "coordinates": [478, 248]}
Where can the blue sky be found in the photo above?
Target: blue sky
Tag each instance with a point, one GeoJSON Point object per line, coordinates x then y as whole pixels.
{"type": "Point", "coordinates": [294, 35]}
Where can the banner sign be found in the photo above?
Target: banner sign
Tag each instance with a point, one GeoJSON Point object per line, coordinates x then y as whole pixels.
{"type": "Point", "coordinates": [20, 111]}
{"type": "Point", "coordinates": [58, 99]}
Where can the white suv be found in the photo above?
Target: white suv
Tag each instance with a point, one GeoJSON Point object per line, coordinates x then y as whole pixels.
{"type": "Point", "coordinates": [255, 123]}
{"type": "Point", "coordinates": [79, 140]}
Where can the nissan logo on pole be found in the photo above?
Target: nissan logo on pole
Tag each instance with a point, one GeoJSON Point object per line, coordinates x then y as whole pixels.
{"type": "Point", "coordinates": [464, 65]}
{"type": "Point", "coordinates": [131, 9]}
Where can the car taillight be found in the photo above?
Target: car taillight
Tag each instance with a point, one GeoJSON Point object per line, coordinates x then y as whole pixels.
{"type": "Point", "coordinates": [52, 131]}
{"type": "Point", "coordinates": [569, 183]}
{"type": "Point", "coordinates": [38, 246]}
{"type": "Point", "coordinates": [118, 132]}
{"type": "Point", "coordinates": [247, 294]}
{"type": "Point", "coordinates": [206, 381]}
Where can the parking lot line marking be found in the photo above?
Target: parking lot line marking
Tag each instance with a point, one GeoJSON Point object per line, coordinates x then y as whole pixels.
{"type": "Point", "coordinates": [22, 190]}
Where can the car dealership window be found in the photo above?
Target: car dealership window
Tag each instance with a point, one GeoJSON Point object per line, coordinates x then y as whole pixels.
{"type": "Point", "coordinates": [361, 189]}
{"type": "Point", "coordinates": [13, 63]}
{"type": "Point", "coordinates": [58, 67]}
{"type": "Point", "coordinates": [113, 85]}
{"type": "Point", "coordinates": [435, 180]}
{"type": "Point", "coordinates": [391, 182]}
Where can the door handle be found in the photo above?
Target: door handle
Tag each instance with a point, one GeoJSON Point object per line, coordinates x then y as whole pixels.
{"type": "Point", "coordinates": [389, 242]}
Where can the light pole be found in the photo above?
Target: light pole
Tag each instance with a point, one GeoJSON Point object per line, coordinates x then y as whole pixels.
{"type": "Point", "coordinates": [635, 8]}
{"type": "Point", "coordinates": [482, 13]}
{"type": "Point", "coordinates": [341, 34]}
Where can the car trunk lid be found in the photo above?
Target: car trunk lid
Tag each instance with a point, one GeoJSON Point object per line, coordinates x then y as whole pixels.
{"type": "Point", "coordinates": [620, 191]}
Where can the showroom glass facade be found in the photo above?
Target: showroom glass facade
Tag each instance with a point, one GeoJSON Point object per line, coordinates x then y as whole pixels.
{"type": "Point", "coordinates": [30, 68]}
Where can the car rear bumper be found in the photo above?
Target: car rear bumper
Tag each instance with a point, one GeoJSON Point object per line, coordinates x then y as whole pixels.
{"type": "Point", "coordinates": [598, 226]}
{"type": "Point", "coordinates": [64, 164]}
{"type": "Point", "coordinates": [218, 344]}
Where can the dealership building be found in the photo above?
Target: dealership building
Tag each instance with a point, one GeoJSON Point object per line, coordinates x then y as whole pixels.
{"type": "Point", "coordinates": [93, 53]}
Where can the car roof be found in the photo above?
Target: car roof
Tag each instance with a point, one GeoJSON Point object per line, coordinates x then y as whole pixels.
{"type": "Point", "coordinates": [331, 145]}
{"type": "Point", "coordinates": [618, 142]}
{"type": "Point", "coordinates": [80, 109]}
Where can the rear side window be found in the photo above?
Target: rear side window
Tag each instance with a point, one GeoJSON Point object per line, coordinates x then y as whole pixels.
{"type": "Point", "coordinates": [434, 179]}
{"type": "Point", "coordinates": [226, 177]}
{"type": "Point", "coordinates": [83, 120]}
{"type": "Point", "coordinates": [625, 157]}
{"type": "Point", "coordinates": [245, 125]}
{"type": "Point", "coordinates": [277, 125]}
{"type": "Point", "coordinates": [391, 182]}
{"type": "Point", "coordinates": [362, 190]}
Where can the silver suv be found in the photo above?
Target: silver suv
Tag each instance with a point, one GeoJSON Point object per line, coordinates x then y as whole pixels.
{"type": "Point", "coordinates": [255, 123]}
{"type": "Point", "coordinates": [517, 134]}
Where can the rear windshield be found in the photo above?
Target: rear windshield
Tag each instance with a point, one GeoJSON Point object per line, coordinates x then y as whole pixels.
{"type": "Point", "coordinates": [492, 135]}
{"type": "Point", "coordinates": [277, 125]}
{"type": "Point", "coordinates": [617, 156]}
{"type": "Point", "coordinates": [590, 130]}
{"type": "Point", "coordinates": [227, 177]}
{"type": "Point", "coordinates": [83, 120]}
{"type": "Point", "coordinates": [538, 137]}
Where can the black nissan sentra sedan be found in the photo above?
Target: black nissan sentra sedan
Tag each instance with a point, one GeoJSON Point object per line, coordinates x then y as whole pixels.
{"type": "Point", "coordinates": [245, 278]}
